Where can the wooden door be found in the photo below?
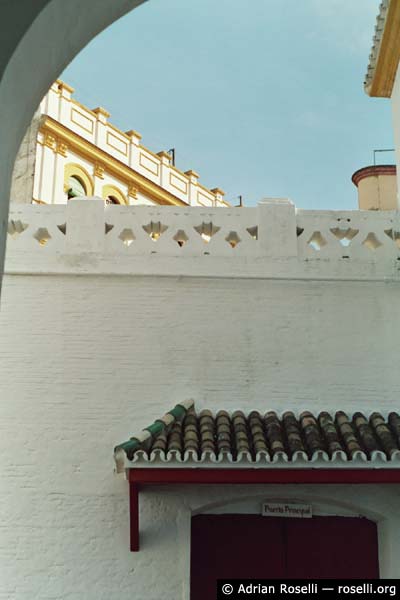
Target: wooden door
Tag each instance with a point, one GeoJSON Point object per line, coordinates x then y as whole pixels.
{"type": "Point", "coordinates": [233, 546]}
{"type": "Point", "coordinates": [256, 547]}
{"type": "Point", "coordinates": [332, 548]}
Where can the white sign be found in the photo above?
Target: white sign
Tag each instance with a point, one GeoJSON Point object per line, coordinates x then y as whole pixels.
{"type": "Point", "coordinates": [297, 511]}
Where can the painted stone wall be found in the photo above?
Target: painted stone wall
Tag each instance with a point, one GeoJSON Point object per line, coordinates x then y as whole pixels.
{"type": "Point", "coordinates": [96, 351]}
{"type": "Point", "coordinates": [84, 362]}
{"type": "Point", "coordinates": [24, 167]}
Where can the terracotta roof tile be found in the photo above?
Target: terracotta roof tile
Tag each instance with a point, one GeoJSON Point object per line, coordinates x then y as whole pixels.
{"type": "Point", "coordinates": [269, 437]}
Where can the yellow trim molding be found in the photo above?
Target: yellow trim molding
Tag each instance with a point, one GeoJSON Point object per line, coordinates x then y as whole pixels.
{"type": "Point", "coordinates": [62, 148]}
{"type": "Point", "coordinates": [101, 111]}
{"type": "Point", "coordinates": [50, 141]}
{"type": "Point", "coordinates": [388, 56]}
{"type": "Point", "coordinates": [150, 161]}
{"type": "Point", "coordinates": [62, 85]}
{"type": "Point", "coordinates": [84, 119]}
{"type": "Point", "coordinates": [131, 133]}
{"type": "Point", "coordinates": [164, 154]}
{"type": "Point", "coordinates": [93, 154]}
{"type": "Point", "coordinates": [110, 136]}
{"type": "Point", "coordinates": [98, 170]}
{"type": "Point", "coordinates": [132, 191]}
{"type": "Point", "coordinates": [112, 190]}
{"type": "Point", "coordinates": [192, 173]}
{"type": "Point", "coordinates": [217, 190]}
{"type": "Point", "coordinates": [75, 170]}
{"type": "Point", "coordinates": [173, 177]}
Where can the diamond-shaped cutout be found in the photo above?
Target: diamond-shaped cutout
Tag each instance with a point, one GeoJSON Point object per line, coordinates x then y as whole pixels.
{"type": "Point", "coordinates": [233, 239]}
{"type": "Point", "coordinates": [372, 242]}
{"type": "Point", "coordinates": [344, 236]}
{"type": "Point", "coordinates": [394, 235]}
{"type": "Point", "coordinates": [127, 237]}
{"type": "Point", "coordinates": [207, 230]}
{"type": "Point", "coordinates": [253, 232]}
{"type": "Point", "coordinates": [42, 236]}
{"type": "Point", "coordinates": [317, 241]}
{"type": "Point", "coordinates": [108, 227]}
{"type": "Point", "coordinates": [63, 228]}
{"type": "Point", "coordinates": [155, 229]}
{"type": "Point", "coordinates": [180, 237]}
{"type": "Point", "coordinates": [15, 228]}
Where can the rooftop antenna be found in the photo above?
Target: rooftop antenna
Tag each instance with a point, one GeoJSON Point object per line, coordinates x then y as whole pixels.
{"type": "Point", "coordinates": [383, 150]}
{"type": "Point", "coordinates": [171, 151]}
{"type": "Point", "coordinates": [240, 198]}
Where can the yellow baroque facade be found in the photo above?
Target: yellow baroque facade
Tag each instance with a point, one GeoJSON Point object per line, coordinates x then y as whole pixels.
{"type": "Point", "coordinates": [78, 152]}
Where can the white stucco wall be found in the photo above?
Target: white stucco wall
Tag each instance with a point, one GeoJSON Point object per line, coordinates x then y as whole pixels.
{"type": "Point", "coordinates": [22, 185]}
{"type": "Point", "coordinates": [395, 98]}
{"type": "Point", "coordinates": [94, 345]}
{"type": "Point", "coordinates": [86, 361]}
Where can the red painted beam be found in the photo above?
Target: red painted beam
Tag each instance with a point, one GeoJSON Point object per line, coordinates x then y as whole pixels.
{"type": "Point", "coordinates": [249, 476]}
{"type": "Point", "coordinates": [141, 477]}
{"type": "Point", "coordinates": [134, 516]}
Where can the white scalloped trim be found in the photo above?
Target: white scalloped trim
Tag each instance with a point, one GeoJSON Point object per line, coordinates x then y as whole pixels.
{"type": "Point", "coordinates": [319, 460]}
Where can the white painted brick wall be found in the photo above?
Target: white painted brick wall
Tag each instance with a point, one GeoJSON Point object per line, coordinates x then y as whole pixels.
{"type": "Point", "coordinates": [86, 359]}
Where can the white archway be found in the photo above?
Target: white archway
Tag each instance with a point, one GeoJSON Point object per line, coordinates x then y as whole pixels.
{"type": "Point", "coordinates": [39, 39]}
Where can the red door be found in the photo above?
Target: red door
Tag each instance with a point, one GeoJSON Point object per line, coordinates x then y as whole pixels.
{"type": "Point", "coordinates": [256, 547]}
{"type": "Point", "coordinates": [332, 548]}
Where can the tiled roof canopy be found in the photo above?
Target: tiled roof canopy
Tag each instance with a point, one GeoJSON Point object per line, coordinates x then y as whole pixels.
{"type": "Point", "coordinates": [185, 437]}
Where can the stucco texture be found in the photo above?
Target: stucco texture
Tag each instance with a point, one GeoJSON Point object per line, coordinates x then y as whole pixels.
{"type": "Point", "coordinates": [87, 360]}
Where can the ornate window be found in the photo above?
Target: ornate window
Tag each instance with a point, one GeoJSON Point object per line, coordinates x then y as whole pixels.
{"type": "Point", "coordinates": [75, 187]}
{"type": "Point", "coordinates": [77, 181]}
{"type": "Point", "coordinates": [112, 195]}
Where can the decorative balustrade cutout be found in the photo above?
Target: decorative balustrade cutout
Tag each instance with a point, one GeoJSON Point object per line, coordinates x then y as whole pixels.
{"type": "Point", "coordinates": [155, 229]}
{"type": "Point", "coordinates": [317, 241]}
{"type": "Point", "coordinates": [372, 242]}
{"type": "Point", "coordinates": [181, 238]}
{"type": "Point", "coordinates": [233, 239]}
{"type": "Point", "coordinates": [127, 237]}
{"type": "Point", "coordinates": [345, 236]}
{"type": "Point", "coordinates": [42, 236]}
{"type": "Point", "coordinates": [15, 228]}
{"type": "Point", "coordinates": [206, 231]}
{"type": "Point", "coordinates": [394, 235]}
{"type": "Point", "coordinates": [265, 231]}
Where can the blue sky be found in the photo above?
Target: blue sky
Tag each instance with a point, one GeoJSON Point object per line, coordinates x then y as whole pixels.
{"type": "Point", "coordinates": [263, 98]}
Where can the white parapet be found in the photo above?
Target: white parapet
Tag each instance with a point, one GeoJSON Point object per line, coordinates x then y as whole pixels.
{"type": "Point", "coordinates": [270, 240]}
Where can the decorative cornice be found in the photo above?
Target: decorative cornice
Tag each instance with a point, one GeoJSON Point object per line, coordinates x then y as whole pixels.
{"type": "Point", "coordinates": [62, 148]}
{"type": "Point", "coordinates": [385, 54]}
{"type": "Point", "coordinates": [101, 111]}
{"type": "Point", "coordinates": [217, 191]}
{"type": "Point", "coordinates": [54, 130]}
{"type": "Point", "coordinates": [62, 85]}
{"type": "Point", "coordinates": [192, 173]}
{"type": "Point", "coordinates": [164, 154]}
{"type": "Point", "coordinates": [133, 133]}
{"type": "Point", "coordinates": [373, 171]}
{"type": "Point", "coordinates": [50, 141]}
